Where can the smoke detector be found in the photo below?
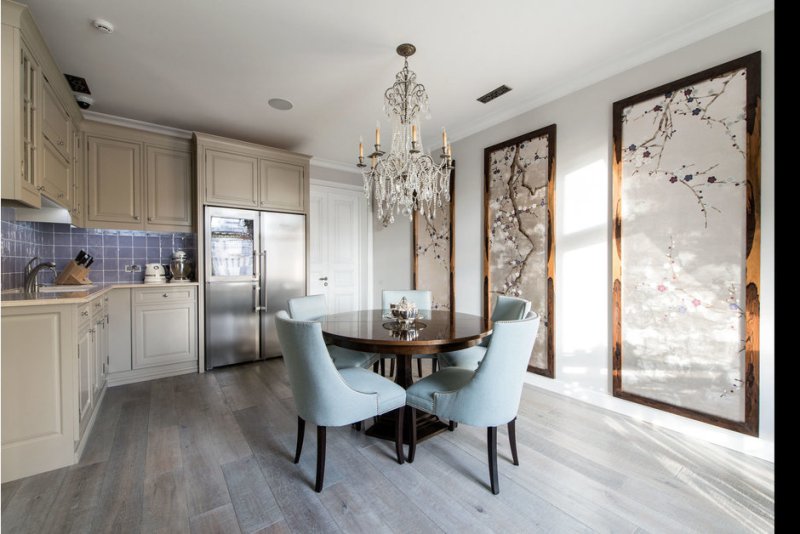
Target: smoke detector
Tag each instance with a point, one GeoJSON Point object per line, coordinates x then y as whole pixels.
{"type": "Point", "coordinates": [103, 25]}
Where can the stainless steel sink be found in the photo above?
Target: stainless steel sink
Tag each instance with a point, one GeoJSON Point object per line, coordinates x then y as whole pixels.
{"type": "Point", "coordinates": [65, 289]}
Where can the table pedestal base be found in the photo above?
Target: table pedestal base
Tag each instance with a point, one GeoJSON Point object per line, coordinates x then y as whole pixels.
{"type": "Point", "coordinates": [427, 425]}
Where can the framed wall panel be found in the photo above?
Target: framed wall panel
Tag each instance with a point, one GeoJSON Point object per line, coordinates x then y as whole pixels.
{"type": "Point", "coordinates": [686, 243]}
{"type": "Point", "coordinates": [434, 252]}
{"type": "Point", "coordinates": [519, 216]}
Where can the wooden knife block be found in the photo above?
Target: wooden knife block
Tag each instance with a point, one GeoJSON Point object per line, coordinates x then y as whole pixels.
{"type": "Point", "coordinates": [73, 274]}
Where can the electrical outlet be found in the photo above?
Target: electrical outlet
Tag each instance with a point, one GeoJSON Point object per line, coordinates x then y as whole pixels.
{"type": "Point", "coordinates": [133, 268]}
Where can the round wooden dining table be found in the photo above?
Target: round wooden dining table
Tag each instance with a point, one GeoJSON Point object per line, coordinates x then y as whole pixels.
{"type": "Point", "coordinates": [433, 332]}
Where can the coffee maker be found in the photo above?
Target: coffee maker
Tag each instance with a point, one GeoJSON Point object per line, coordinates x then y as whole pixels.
{"type": "Point", "coordinates": [180, 267]}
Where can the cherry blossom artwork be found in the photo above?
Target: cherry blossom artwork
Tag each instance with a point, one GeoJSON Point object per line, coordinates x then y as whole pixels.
{"type": "Point", "coordinates": [519, 211]}
{"type": "Point", "coordinates": [433, 252]}
{"type": "Point", "coordinates": [684, 189]}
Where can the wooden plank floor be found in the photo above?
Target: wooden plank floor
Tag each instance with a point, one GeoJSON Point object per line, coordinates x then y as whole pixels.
{"type": "Point", "coordinates": [212, 453]}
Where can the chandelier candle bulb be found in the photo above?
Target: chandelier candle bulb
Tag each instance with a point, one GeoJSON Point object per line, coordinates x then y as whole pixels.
{"type": "Point", "coordinates": [378, 133]}
{"type": "Point", "coordinates": [444, 137]}
{"type": "Point", "coordinates": [360, 147]}
{"type": "Point", "coordinates": [414, 132]}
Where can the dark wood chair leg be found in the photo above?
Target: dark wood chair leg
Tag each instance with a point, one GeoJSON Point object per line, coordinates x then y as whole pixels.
{"type": "Point", "coordinates": [512, 438]}
{"type": "Point", "coordinates": [419, 367]}
{"type": "Point", "coordinates": [435, 364]}
{"type": "Point", "coordinates": [357, 426]}
{"type": "Point", "coordinates": [383, 366]}
{"type": "Point", "coordinates": [320, 458]}
{"type": "Point", "coordinates": [376, 366]}
{"type": "Point", "coordinates": [491, 437]}
{"type": "Point", "coordinates": [452, 426]}
{"type": "Point", "coordinates": [412, 446]}
{"type": "Point", "coordinates": [398, 436]}
{"type": "Point", "coordinates": [391, 367]}
{"type": "Point", "coordinates": [301, 432]}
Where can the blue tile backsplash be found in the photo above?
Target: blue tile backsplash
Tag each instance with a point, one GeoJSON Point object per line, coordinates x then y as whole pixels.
{"type": "Point", "coordinates": [112, 249]}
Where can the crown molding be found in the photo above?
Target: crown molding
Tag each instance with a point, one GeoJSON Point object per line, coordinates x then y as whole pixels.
{"type": "Point", "coordinates": [335, 165]}
{"type": "Point", "coordinates": [136, 124]}
{"type": "Point", "coordinates": [715, 22]}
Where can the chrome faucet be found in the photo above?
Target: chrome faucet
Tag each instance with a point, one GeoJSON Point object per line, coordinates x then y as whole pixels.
{"type": "Point", "coordinates": [31, 283]}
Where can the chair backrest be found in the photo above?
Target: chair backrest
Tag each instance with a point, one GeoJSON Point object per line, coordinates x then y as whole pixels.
{"type": "Point", "coordinates": [309, 308]}
{"type": "Point", "coordinates": [492, 397]}
{"type": "Point", "coordinates": [321, 395]}
{"type": "Point", "coordinates": [421, 297]}
{"type": "Point", "coordinates": [510, 308]}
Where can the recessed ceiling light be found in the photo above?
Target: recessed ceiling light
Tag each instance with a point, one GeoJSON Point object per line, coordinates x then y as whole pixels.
{"type": "Point", "coordinates": [280, 103]}
{"type": "Point", "coordinates": [103, 25]}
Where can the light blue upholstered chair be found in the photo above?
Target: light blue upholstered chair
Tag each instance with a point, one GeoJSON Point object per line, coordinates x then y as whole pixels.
{"type": "Point", "coordinates": [326, 396]}
{"type": "Point", "coordinates": [312, 308]}
{"type": "Point", "coordinates": [488, 396]}
{"type": "Point", "coordinates": [424, 301]}
{"type": "Point", "coordinates": [505, 309]}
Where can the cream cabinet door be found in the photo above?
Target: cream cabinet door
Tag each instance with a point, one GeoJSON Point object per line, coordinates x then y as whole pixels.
{"type": "Point", "coordinates": [56, 125]}
{"type": "Point", "coordinates": [169, 188]}
{"type": "Point", "coordinates": [86, 358]}
{"type": "Point", "coordinates": [57, 177]}
{"type": "Point", "coordinates": [164, 333]}
{"type": "Point", "coordinates": [281, 186]}
{"type": "Point", "coordinates": [231, 179]}
{"type": "Point", "coordinates": [114, 180]}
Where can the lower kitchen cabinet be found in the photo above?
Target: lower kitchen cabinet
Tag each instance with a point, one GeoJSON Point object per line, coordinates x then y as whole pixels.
{"type": "Point", "coordinates": [164, 332]}
{"type": "Point", "coordinates": [155, 335]}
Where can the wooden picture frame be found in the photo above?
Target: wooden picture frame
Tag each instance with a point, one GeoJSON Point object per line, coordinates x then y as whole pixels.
{"type": "Point", "coordinates": [533, 153]}
{"type": "Point", "coordinates": [696, 173]}
{"type": "Point", "coordinates": [434, 251]}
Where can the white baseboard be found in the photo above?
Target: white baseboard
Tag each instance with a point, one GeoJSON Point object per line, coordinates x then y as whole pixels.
{"type": "Point", "coordinates": [151, 373]}
{"type": "Point", "coordinates": [750, 445]}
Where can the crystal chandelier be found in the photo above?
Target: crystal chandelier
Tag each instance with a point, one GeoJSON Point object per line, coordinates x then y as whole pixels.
{"type": "Point", "coordinates": [406, 178]}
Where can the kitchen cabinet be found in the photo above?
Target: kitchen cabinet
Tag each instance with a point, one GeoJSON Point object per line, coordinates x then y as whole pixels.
{"type": "Point", "coordinates": [281, 186]}
{"type": "Point", "coordinates": [86, 356]}
{"type": "Point", "coordinates": [164, 326]}
{"type": "Point", "coordinates": [119, 337]}
{"type": "Point", "coordinates": [245, 175]}
{"type": "Point", "coordinates": [77, 211]}
{"type": "Point", "coordinates": [114, 182]}
{"type": "Point", "coordinates": [56, 124]}
{"type": "Point", "coordinates": [137, 180]}
{"type": "Point", "coordinates": [169, 187]}
{"type": "Point", "coordinates": [100, 338]}
{"type": "Point", "coordinates": [21, 109]}
{"type": "Point", "coordinates": [39, 114]}
{"type": "Point", "coordinates": [231, 179]}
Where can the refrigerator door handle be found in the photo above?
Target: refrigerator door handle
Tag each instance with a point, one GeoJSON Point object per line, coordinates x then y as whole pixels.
{"type": "Point", "coordinates": [264, 275]}
{"type": "Point", "coordinates": [256, 266]}
{"type": "Point", "coordinates": [256, 298]}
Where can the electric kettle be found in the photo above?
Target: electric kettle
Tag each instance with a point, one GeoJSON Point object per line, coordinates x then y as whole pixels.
{"type": "Point", "coordinates": [154, 273]}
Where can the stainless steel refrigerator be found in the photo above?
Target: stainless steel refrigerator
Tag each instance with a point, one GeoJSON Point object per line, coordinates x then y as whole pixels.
{"type": "Point", "coordinates": [254, 262]}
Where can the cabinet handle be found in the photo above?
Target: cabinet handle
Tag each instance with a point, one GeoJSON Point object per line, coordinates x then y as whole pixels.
{"type": "Point", "coordinates": [85, 313]}
{"type": "Point", "coordinates": [60, 142]}
{"type": "Point", "coordinates": [165, 295]}
{"type": "Point", "coordinates": [136, 217]}
{"type": "Point", "coordinates": [149, 218]}
{"type": "Point", "coordinates": [61, 195]}
{"type": "Point", "coordinates": [40, 188]}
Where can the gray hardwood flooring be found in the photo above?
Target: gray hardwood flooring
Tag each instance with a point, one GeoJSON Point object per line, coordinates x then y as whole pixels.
{"type": "Point", "coordinates": [213, 453]}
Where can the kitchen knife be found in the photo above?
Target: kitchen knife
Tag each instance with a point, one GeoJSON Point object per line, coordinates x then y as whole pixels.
{"type": "Point", "coordinates": [81, 257]}
{"type": "Point", "coordinates": [89, 262]}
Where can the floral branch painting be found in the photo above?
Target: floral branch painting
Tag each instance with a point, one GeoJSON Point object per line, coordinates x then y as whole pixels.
{"type": "Point", "coordinates": [433, 242]}
{"type": "Point", "coordinates": [685, 258]}
{"type": "Point", "coordinates": [519, 214]}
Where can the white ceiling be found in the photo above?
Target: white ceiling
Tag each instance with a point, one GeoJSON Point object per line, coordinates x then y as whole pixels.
{"type": "Point", "coordinates": [211, 66]}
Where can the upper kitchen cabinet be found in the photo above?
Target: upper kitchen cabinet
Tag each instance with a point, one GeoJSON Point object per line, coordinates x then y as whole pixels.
{"type": "Point", "coordinates": [231, 179]}
{"type": "Point", "coordinates": [114, 182]}
{"type": "Point", "coordinates": [281, 186]}
{"type": "Point", "coordinates": [37, 108]}
{"type": "Point", "coordinates": [245, 175]}
{"type": "Point", "coordinates": [137, 180]}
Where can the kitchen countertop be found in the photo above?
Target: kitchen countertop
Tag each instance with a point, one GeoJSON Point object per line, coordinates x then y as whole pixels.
{"type": "Point", "coordinates": [15, 297]}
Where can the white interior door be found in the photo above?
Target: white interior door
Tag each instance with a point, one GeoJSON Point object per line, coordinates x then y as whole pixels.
{"type": "Point", "coordinates": [339, 247]}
